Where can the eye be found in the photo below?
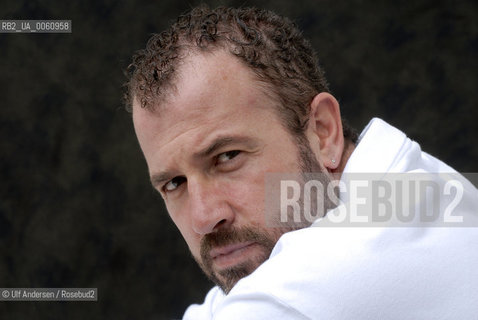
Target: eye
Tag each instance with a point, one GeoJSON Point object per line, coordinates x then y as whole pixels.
{"type": "Point", "coordinates": [173, 184]}
{"type": "Point", "coordinates": [227, 156]}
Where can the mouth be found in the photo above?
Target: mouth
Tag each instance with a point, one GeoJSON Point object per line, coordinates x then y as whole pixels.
{"type": "Point", "coordinates": [227, 256]}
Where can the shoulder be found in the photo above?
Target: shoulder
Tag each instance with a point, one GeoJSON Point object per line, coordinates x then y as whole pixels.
{"type": "Point", "coordinates": [339, 273]}
{"type": "Point", "coordinates": [207, 308]}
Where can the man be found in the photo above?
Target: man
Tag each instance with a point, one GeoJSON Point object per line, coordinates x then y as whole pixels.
{"type": "Point", "coordinates": [226, 97]}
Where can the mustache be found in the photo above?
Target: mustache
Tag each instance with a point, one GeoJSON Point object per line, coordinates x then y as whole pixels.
{"type": "Point", "coordinates": [224, 237]}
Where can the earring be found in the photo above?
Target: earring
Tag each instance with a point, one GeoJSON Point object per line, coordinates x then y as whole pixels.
{"type": "Point", "coordinates": [333, 161]}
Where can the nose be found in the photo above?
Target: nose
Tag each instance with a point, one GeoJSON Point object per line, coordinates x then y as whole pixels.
{"type": "Point", "coordinates": [208, 206]}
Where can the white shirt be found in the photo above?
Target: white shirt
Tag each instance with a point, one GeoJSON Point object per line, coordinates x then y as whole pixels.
{"type": "Point", "coordinates": [418, 272]}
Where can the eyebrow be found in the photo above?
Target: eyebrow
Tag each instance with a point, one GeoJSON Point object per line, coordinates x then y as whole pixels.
{"type": "Point", "coordinates": [158, 179]}
{"type": "Point", "coordinates": [221, 142]}
{"type": "Point", "coordinates": [216, 144]}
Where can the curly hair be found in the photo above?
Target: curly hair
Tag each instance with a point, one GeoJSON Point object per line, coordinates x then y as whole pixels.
{"type": "Point", "coordinates": [270, 45]}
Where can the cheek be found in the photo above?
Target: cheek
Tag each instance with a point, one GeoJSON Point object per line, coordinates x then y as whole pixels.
{"type": "Point", "coordinates": [192, 239]}
{"type": "Point", "coordinates": [185, 228]}
{"type": "Point", "coordinates": [248, 190]}
{"type": "Point", "coordinates": [247, 197]}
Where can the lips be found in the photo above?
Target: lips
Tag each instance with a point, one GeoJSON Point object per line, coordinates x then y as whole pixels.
{"type": "Point", "coordinates": [229, 250]}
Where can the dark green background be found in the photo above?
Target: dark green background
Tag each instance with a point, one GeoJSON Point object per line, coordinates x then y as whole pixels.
{"type": "Point", "coordinates": [76, 207]}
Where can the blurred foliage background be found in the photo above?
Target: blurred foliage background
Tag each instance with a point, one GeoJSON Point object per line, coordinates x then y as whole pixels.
{"type": "Point", "coordinates": [76, 207]}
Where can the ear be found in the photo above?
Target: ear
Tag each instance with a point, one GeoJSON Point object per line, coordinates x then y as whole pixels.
{"type": "Point", "coordinates": [324, 130]}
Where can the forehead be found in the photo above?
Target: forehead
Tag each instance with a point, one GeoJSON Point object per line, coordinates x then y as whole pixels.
{"type": "Point", "coordinates": [214, 93]}
{"type": "Point", "coordinates": [207, 81]}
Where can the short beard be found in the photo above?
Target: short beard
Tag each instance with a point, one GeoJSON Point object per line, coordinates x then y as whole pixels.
{"type": "Point", "coordinates": [227, 278]}
{"type": "Point", "coordinates": [265, 238]}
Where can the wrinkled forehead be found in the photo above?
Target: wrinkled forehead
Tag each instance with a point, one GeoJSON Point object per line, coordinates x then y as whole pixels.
{"type": "Point", "coordinates": [209, 88]}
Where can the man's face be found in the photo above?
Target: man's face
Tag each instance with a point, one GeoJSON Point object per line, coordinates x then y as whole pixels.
{"type": "Point", "coordinates": [208, 147]}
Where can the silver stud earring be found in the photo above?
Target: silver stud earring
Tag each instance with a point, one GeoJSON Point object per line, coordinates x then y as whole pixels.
{"type": "Point", "coordinates": [333, 160]}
